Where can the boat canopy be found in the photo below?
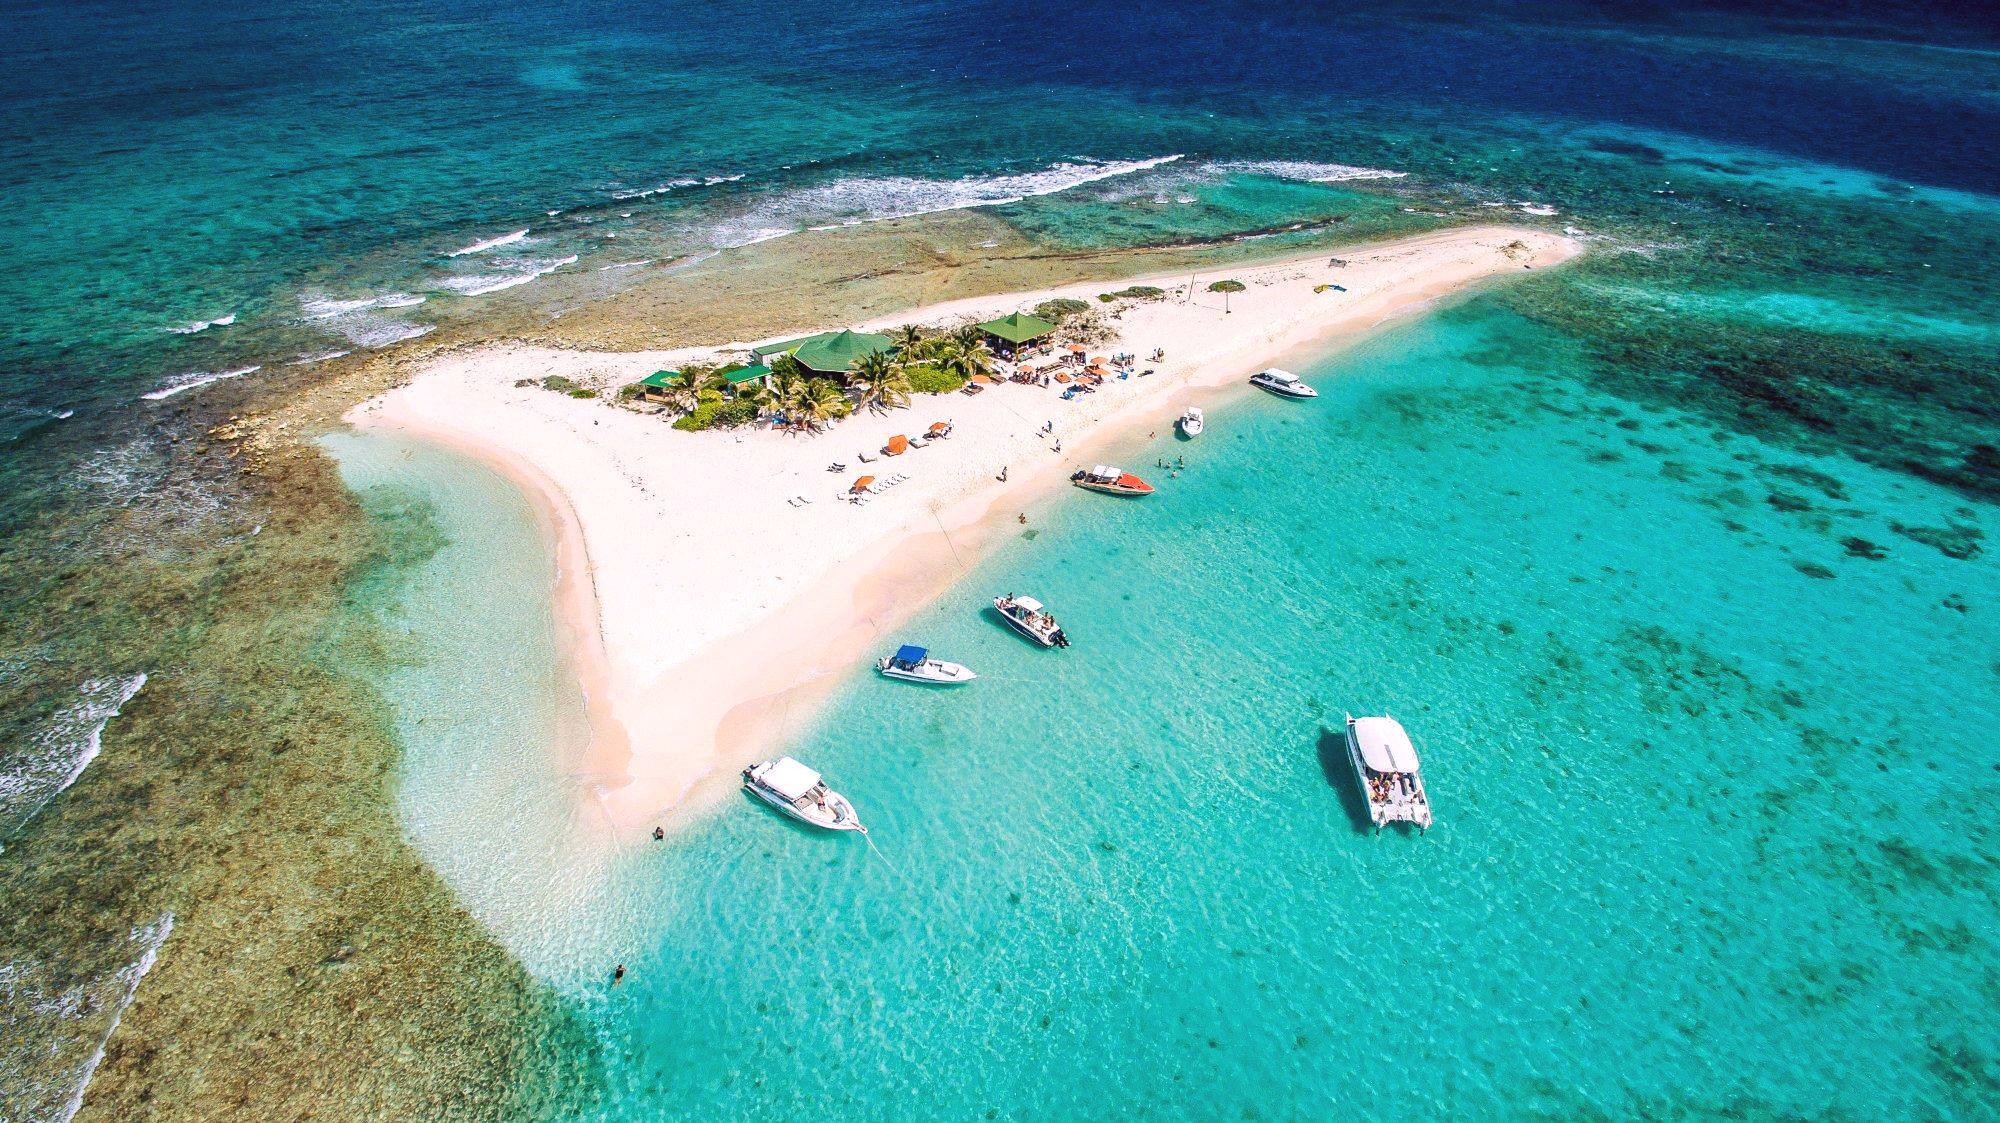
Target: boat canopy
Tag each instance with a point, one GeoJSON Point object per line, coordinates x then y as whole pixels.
{"type": "Point", "coordinates": [789, 778]}
{"type": "Point", "coordinates": [1385, 746]}
{"type": "Point", "coordinates": [1106, 472]}
{"type": "Point", "coordinates": [1029, 604]}
{"type": "Point", "coordinates": [910, 653]}
{"type": "Point", "coordinates": [1276, 375]}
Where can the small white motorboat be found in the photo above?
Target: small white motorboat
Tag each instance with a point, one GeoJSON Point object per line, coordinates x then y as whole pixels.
{"type": "Point", "coordinates": [1283, 383]}
{"type": "Point", "coordinates": [798, 791]}
{"type": "Point", "coordinates": [1111, 481]}
{"type": "Point", "coordinates": [1027, 616]}
{"type": "Point", "coordinates": [1386, 764]}
{"type": "Point", "coordinates": [914, 664]}
{"type": "Point", "coordinates": [1191, 422]}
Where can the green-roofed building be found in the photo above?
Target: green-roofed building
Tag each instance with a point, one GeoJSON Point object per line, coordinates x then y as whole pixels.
{"type": "Point", "coordinates": [1017, 332]}
{"type": "Point", "coordinates": [655, 384]}
{"type": "Point", "coordinates": [829, 352]}
{"type": "Point", "coordinates": [755, 372]}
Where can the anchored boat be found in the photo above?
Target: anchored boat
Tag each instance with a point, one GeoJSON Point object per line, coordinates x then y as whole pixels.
{"type": "Point", "coordinates": [1386, 764]}
{"type": "Point", "coordinates": [914, 664]}
{"type": "Point", "coordinates": [1111, 481]}
{"type": "Point", "coordinates": [1027, 616]}
{"type": "Point", "coordinates": [1283, 383]}
{"type": "Point", "coordinates": [798, 791]}
{"type": "Point", "coordinates": [1191, 421]}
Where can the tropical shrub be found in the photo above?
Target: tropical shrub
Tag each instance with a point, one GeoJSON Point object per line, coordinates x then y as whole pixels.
{"type": "Point", "coordinates": [928, 378]}
{"type": "Point", "coordinates": [1060, 309]}
{"type": "Point", "coordinates": [1138, 292]}
{"type": "Point", "coordinates": [717, 414]}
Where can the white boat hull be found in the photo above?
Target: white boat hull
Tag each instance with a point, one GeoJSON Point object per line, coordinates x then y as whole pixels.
{"type": "Point", "coordinates": [1053, 637]}
{"type": "Point", "coordinates": [931, 672]}
{"type": "Point", "coordinates": [838, 816]}
{"type": "Point", "coordinates": [1416, 812]}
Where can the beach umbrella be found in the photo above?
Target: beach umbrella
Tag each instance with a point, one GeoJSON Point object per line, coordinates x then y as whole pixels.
{"type": "Point", "coordinates": [898, 445]}
{"type": "Point", "coordinates": [940, 426]}
{"type": "Point", "coordinates": [862, 483]}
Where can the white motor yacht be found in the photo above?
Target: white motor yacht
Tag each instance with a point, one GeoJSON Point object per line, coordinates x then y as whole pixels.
{"type": "Point", "coordinates": [1027, 616]}
{"type": "Point", "coordinates": [914, 664]}
{"type": "Point", "coordinates": [798, 791]}
{"type": "Point", "coordinates": [1283, 383]}
{"type": "Point", "coordinates": [1386, 764]}
{"type": "Point", "coordinates": [1191, 421]}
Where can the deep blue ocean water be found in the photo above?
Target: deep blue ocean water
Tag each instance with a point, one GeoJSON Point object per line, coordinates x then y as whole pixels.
{"type": "Point", "coordinates": [1677, 563]}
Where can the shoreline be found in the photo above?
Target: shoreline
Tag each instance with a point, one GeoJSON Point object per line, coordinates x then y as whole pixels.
{"type": "Point", "coordinates": [674, 708]}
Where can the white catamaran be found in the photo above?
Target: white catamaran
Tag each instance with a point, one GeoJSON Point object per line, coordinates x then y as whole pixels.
{"type": "Point", "coordinates": [1386, 764]}
{"type": "Point", "coordinates": [798, 791]}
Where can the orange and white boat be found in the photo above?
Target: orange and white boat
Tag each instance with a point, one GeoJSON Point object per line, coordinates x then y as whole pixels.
{"type": "Point", "coordinates": [1111, 481]}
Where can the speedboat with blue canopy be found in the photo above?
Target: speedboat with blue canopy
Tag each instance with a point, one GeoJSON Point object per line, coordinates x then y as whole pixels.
{"type": "Point", "coordinates": [911, 663]}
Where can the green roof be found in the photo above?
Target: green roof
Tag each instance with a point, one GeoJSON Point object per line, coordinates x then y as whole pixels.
{"type": "Point", "coordinates": [837, 351]}
{"type": "Point", "coordinates": [1017, 327]}
{"type": "Point", "coordinates": [750, 373]}
{"type": "Point", "coordinates": [660, 378]}
{"type": "Point", "coordinates": [771, 351]}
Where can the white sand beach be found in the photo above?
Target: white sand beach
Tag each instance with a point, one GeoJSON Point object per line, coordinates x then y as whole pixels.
{"type": "Point", "coordinates": [711, 606]}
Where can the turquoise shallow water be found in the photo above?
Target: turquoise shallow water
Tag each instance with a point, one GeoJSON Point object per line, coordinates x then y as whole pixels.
{"type": "Point", "coordinates": [1709, 789]}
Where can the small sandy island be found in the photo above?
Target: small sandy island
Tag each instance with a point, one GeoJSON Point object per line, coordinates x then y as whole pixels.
{"type": "Point", "coordinates": [715, 581]}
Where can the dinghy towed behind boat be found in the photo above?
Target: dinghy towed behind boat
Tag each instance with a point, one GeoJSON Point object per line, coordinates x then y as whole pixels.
{"type": "Point", "coordinates": [1027, 616]}
{"type": "Point", "coordinates": [1386, 764]}
{"type": "Point", "coordinates": [1111, 481]}
{"type": "Point", "coordinates": [1191, 421]}
{"type": "Point", "coordinates": [1283, 383]}
{"type": "Point", "coordinates": [798, 791]}
{"type": "Point", "coordinates": [914, 664]}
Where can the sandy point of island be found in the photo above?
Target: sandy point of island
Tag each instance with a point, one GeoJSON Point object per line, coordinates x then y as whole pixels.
{"type": "Point", "coordinates": [707, 610]}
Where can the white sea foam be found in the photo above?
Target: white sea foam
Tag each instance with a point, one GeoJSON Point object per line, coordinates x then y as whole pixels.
{"type": "Point", "coordinates": [1308, 171]}
{"type": "Point", "coordinates": [316, 357]}
{"type": "Point", "coordinates": [674, 185]}
{"type": "Point", "coordinates": [48, 1017]}
{"type": "Point", "coordinates": [318, 306]}
{"type": "Point", "coordinates": [58, 754]}
{"type": "Point", "coordinates": [490, 243]}
{"type": "Point", "coordinates": [479, 284]}
{"type": "Point", "coordinates": [203, 325]}
{"type": "Point", "coordinates": [1542, 209]}
{"type": "Point", "coordinates": [625, 264]}
{"type": "Point", "coordinates": [193, 379]}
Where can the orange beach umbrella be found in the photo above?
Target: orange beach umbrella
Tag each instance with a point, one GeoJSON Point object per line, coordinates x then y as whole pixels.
{"type": "Point", "coordinates": [862, 483]}
{"type": "Point", "coordinates": [940, 426]}
{"type": "Point", "coordinates": [898, 445]}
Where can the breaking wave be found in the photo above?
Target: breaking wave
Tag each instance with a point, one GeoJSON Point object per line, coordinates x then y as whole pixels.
{"type": "Point", "coordinates": [54, 758]}
{"type": "Point", "coordinates": [193, 379]}
{"type": "Point", "coordinates": [673, 185]}
{"type": "Point", "coordinates": [322, 307]}
{"type": "Point", "coordinates": [490, 243]}
{"type": "Point", "coordinates": [203, 325]}
{"type": "Point", "coordinates": [479, 284]}
{"type": "Point", "coordinates": [54, 1027]}
{"type": "Point", "coordinates": [1308, 171]}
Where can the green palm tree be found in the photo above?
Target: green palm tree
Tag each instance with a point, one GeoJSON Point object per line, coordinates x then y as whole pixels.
{"type": "Point", "coordinates": [965, 360]}
{"type": "Point", "coordinates": [910, 341]}
{"type": "Point", "coordinates": [692, 388]}
{"type": "Point", "coordinates": [969, 336]}
{"type": "Point", "coordinates": [881, 381]}
{"type": "Point", "coordinates": [819, 402]}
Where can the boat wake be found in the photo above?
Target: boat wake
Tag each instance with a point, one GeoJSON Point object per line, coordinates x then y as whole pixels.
{"type": "Point", "coordinates": [54, 758]}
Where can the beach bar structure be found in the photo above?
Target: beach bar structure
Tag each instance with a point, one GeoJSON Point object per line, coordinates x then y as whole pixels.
{"type": "Point", "coordinates": [1017, 334]}
{"type": "Point", "coordinates": [829, 352]}
{"type": "Point", "coordinates": [657, 385]}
